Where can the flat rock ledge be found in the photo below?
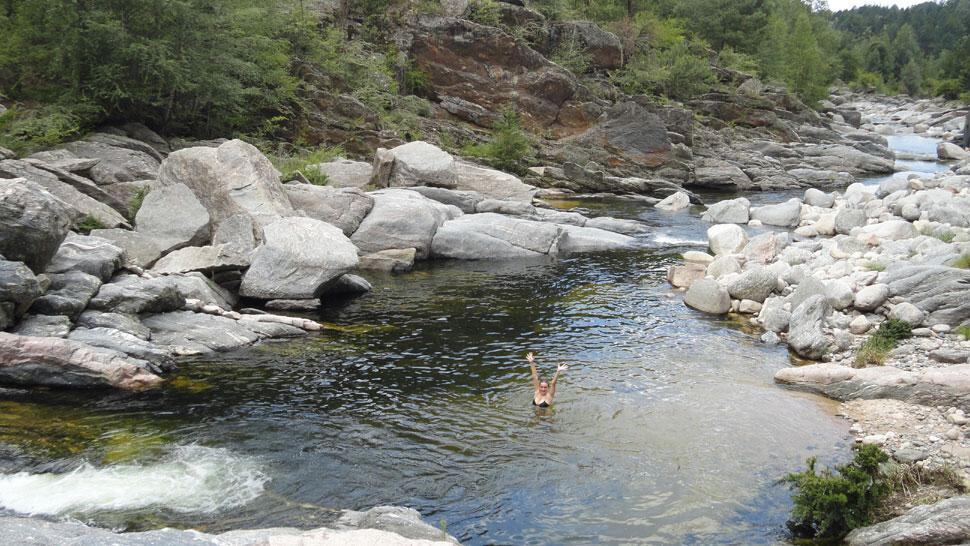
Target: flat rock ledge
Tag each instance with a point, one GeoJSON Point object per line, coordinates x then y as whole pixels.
{"type": "Point", "coordinates": [949, 386]}
{"type": "Point", "coordinates": [946, 522]}
{"type": "Point", "coordinates": [64, 363]}
{"type": "Point", "coordinates": [384, 525]}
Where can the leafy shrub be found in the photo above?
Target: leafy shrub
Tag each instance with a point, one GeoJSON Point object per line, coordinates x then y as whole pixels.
{"type": "Point", "coordinates": [735, 60]}
{"type": "Point", "coordinates": [830, 504]}
{"type": "Point", "coordinates": [676, 73]}
{"type": "Point", "coordinates": [945, 236]}
{"type": "Point", "coordinates": [88, 223]}
{"type": "Point", "coordinates": [875, 266]}
{"type": "Point", "coordinates": [25, 130]}
{"type": "Point", "coordinates": [948, 88]}
{"type": "Point", "coordinates": [572, 56]}
{"type": "Point", "coordinates": [963, 262]}
{"type": "Point", "coordinates": [869, 82]}
{"type": "Point", "coordinates": [485, 12]}
{"type": "Point", "coordinates": [508, 147]}
{"type": "Point", "coordinates": [875, 350]}
{"type": "Point", "coordinates": [136, 201]}
{"type": "Point", "coordinates": [963, 331]}
{"type": "Point", "coordinates": [304, 162]}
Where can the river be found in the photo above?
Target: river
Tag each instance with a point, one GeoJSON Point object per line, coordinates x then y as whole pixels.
{"type": "Point", "coordinates": [668, 427]}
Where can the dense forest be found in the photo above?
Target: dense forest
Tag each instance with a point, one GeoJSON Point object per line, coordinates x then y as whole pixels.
{"type": "Point", "coordinates": [247, 67]}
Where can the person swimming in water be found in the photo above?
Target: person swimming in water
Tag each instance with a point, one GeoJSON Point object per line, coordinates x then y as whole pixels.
{"type": "Point", "coordinates": [544, 392]}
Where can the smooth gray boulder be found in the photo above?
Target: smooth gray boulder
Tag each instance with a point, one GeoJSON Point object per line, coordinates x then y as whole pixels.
{"type": "Point", "coordinates": [948, 150]}
{"type": "Point", "coordinates": [785, 214]}
{"type": "Point", "coordinates": [134, 294]}
{"type": "Point", "coordinates": [871, 297]}
{"type": "Point", "coordinates": [230, 179]}
{"type": "Point", "coordinates": [140, 249]}
{"type": "Point", "coordinates": [198, 287]}
{"type": "Point", "coordinates": [805, 334]}
{"type": "Point", "coordinates": [511, 208]}
{"type": "Point", "coordinates": [491, 183]}
{"type": "Point", "coordinates": [345, 208]}
{"type": "Point", "coordinates": [818, 198]}
{"type": "Point", "coordinates": [730, 211]}
{"type": "Point", "coordinates": [723, 265]}
{"type": "Point", "coordinates": [123, 342]}
{"type": "Point", "coordinates": [843, 158]}
{"type": "Point", "coordinates": [707, 296]}
{"type": "Point", "coordinates": [755, 284]}
{"type": "Point", "coordinates": [839, 294]}
{"type": "Point", "coordinates": [560, 217]}
{"type": "Point", "coordinates": [68, 294]}
{"type": "Point", "coordinates": [946, 386]}
{"type": "Point", "coordinates": [419, 163]}
{"type": "Point", "coordinates": [79, 204]}
{"type": "Point", "coordinates": [33, 223]}
{"type": "Point", "coordinates": [764, 248]}
{"type": "Point", "coordinates": [92, 255]}
{"type": "Point", "coordinates": [847, 218]}
{"type": "Point", "coordinates": [43, 326]}
{"type": "Point", "coordinates": [116, 163]}
{"type": "Point", "coordinates": [773, 316]}
{"type": "Point", "coordinates": [174, 218]}
{"type": "Point", "coordinates": [19, 287]}
{"type": "Point", "coordinates": [299, 258]}
{"type": "Point", "coordinates": [726, 239]}
{"type": "Point", "coordinates": [578, 239]}
{"type": "Point", "coordinates": [402, 219]}
{"type": "Point", "coordinates": [674, 202]}
{"type": "Point", "coordinates": [348, 285]}
{"type": "Point", "coordinates": [808, 287]}
{"type": "Point", "coordinates": [56, 362]}
{"type": "Point", "coordinates": [893, 230]}
{"type": "Point", "coordinates": [205, 259]}
{"type": "Point", "coordinates": [942, 292]}
{"type": "Point", "coordinates": [344, 173]}
{"type": "Point", "coordinates": [128, 323]}
{"type": "Point", "coordinates": [944, 522]}
{"type": "Point", "coordinates": [907, 312]}
{"type": "Point", "coordinates": [494, 236]}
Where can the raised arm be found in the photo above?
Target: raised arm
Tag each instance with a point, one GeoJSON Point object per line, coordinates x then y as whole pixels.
{"type": "Point", "coordinates": [530, 358]}
{"type": "Point", "coordinates": [555, 377]}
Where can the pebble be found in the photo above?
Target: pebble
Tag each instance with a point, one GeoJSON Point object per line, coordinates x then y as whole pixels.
{"type": "Point", "coordinates": [941, 328]}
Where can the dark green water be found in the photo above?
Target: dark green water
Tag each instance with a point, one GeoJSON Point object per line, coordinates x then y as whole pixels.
{"type": "Point", "coordinates": [667, 427]}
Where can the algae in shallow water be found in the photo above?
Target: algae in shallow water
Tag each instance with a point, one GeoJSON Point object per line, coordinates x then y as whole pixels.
{"type": "Point", "coordinates": [61, 431]}
{"type": "Point", "coordinates": [184, 383]}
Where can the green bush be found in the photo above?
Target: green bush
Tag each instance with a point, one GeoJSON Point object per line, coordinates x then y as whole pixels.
{"type": "Point", "coordinates": [876, 349]}
{"type": "Point", "coordinates": [304, 161]}
{"type": "Point", "coordinates": [830, 504]}
{"type": "Point", "coordinates": [949, 88]}
{"type": "Point", "coordinates": [485, 12]}
{"type": "Point", "coordinates": [572, 56]}
{"type": "Point", "coordinates": [136, 201]}
{"type": "Point", "coordinates": [676, 73]}
{"type": "Point", "coordinates": [963, 331]}
{"type": "Point", "coordinates": [508, 147]}
{"type": "Point", "coordinates": [87, 224]}
{"type": "Point", "coordinates": [26, 130]}
{"type": "Point", "coordinates": [962, 262]}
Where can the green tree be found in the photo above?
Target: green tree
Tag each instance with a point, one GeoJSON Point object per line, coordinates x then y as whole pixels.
{"type": "Point", "coordinates": [911, 78]}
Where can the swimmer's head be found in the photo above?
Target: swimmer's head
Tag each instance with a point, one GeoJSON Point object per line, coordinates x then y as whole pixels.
{"type": "Point", "coordinates": [543, 387]}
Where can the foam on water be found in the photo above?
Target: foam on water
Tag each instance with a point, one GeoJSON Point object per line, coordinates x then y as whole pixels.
{"type": "Point", "coordinates": [192, 479]}
{"type": "Point", "coordinates": [665, 239]}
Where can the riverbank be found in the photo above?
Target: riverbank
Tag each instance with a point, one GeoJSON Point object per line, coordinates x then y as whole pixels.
{"type": "Point", "coordinates": [837, 266]}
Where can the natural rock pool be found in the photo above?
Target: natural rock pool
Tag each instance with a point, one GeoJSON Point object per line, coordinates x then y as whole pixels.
{"type": "Point", "coordinates": [668, 427]}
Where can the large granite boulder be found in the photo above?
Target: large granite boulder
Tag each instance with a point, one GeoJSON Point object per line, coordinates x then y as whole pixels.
{"type": "Point", "coordinates": [948, 150]}
{"type": "Point", "coordinates": [492, 183]}
{"type": "Point", "coordinates": [578, 239]}
{"type": "Point", "coordinates": [842, 158]}
{"type": "Point", "coordinates": [79, 203]}
{"type": "Point", "coordinates": [485, 67]}
{"type": "Point", "coordinates": [726, 239]}
{"type": "Point", "coordinates": [185, 332]}
{"type": "Point", "coordinates": [784, 214]}
{"type": "Point", "coordinates": [729, 211]}
{"type": "Point", "coordinates": [941, 292]}
{"type": "Point", "coordinates": [205, 259]}
{"type": "Point", "coordinates": [717, 173]}
{"type": "Point", "coordinates": [946, 386]}
{"type": "Point", "coordinates": [123, 322]}
{"type": "Point", "coordinates": [120, 159]}
{"type": "Point", "coordinates": [494, 236]}
{"type": "Point", "coordinates": [231, 179]}
{"type": "Point", "coordinates": [33, 223]}
{"type": "Point", "coordinates": [59, 362]}
{"type": "Point", "coordinates": [466, 201]}
{"type": "Point", "coordinates": [419, 163]}
{"type": "Point", "coordinates": [174, 218]}
{"type": "Point", "coordinates": [89, 254]}
{"type": "Point", "coordinates": [708, 296]}
{"type": "Point", "coordinates": [402, 219]}
{"type": "Point", "coordinates": [629, 136]}
{"type": "Point", "coordinates": [300, 257]}
{"type": "Point", "coordinates": [344, 173]}
{"type": "Point", "coordinates": [755, 284]}
{"type": "Point", "coordinates": [123, 342]}
{"type": "Point", "coordinates": [345, 208]}
{"type": "Point", "coordinates": [805, 334]}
